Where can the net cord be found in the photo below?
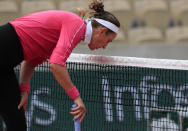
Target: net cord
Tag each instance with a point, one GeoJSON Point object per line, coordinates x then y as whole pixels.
{"type": "Point", "coordinates": [129, 61]}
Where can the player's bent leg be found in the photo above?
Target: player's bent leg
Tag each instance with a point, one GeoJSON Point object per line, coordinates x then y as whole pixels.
{"type": "Point", "coordinates": [9, 101]}
{"type": "Point", "coordinates": [14, 120]}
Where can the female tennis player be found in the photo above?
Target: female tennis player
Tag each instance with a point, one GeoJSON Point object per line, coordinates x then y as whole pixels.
{"type": "Point", "coordinates": [36, 37]}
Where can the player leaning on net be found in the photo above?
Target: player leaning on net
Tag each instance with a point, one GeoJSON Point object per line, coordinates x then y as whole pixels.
{"type": "Point", "coordinates": [32, 39]}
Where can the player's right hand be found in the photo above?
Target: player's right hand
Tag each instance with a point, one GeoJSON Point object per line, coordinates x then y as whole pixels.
{"type": "Point", "coordinates": [80, 110]}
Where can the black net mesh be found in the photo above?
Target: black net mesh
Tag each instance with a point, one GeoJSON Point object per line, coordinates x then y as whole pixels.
{"type": "Point", "coordinates": [117, 98]}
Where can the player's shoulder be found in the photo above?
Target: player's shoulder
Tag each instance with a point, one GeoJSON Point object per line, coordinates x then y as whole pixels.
{"type": "Point", "coordinates": [73, 15]}
{"type": "Point", "coordinates": [65, 16]}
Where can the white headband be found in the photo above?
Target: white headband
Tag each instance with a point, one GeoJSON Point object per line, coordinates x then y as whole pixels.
{"type": "Point", "coordinates": [105, 23]}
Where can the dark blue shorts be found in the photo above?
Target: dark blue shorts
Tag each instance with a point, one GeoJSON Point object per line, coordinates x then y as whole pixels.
{"type": "Point", "coordinates": [11, 55]}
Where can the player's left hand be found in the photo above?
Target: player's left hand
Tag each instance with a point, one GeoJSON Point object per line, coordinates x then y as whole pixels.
{"type": "Point", "coordinates": [23, 102]}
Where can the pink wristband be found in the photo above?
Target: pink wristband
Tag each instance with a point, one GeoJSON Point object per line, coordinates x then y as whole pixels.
{"type": "Point", "coordinates": [73, 93]}
{"type": "Point", "coordinates": [24, 87]}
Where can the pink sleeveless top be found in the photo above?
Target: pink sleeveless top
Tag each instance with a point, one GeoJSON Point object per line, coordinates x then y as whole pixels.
{"type": "Point", "coordinates": [49, 35]}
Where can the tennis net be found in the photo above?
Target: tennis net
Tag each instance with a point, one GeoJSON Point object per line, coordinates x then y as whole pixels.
{"type": "Point", "coordinates": [120, 93]}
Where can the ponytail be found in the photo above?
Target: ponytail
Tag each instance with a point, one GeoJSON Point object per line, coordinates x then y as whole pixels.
{"type": "Point", "coordinates": [98, 12]}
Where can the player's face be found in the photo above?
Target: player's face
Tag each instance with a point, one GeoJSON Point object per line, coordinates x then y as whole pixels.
{"type": "Point", "coordinates": [100, 39]}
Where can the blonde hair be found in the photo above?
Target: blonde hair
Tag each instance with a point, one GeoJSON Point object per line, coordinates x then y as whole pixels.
{"type": "Point", "coordinates": [81, 12]}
